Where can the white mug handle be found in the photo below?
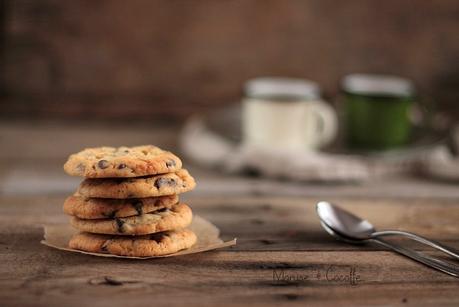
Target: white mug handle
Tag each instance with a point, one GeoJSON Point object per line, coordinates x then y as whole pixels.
{"type": "Point", "coordinates": [327, 122]}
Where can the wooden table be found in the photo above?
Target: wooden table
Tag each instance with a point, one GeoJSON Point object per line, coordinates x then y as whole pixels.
{"type": "Point", "coordinates": [282, 254]}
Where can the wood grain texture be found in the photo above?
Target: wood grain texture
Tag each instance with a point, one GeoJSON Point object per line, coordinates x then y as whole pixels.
{"type": "Point", "coordinates": [113, 60]}
{"type": "Point", "coordinates": [282, 256]}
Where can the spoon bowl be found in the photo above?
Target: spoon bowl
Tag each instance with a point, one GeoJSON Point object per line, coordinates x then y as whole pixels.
{"type": "Point", "coordinates": [343, 224]}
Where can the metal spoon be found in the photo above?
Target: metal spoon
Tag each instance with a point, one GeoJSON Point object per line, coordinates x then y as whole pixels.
{"type": "Point", "coordinates": [352, 229]}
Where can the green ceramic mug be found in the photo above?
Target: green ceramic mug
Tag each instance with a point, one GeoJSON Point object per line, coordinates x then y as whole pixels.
{"type": "Point", "coordinates": [377, 109]}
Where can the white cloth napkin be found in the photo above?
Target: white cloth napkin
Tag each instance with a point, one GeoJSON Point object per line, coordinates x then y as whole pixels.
{"type": "Point", "coordinates": [208, 148]}
{"type": "Point", "coordinates": [442, 164]}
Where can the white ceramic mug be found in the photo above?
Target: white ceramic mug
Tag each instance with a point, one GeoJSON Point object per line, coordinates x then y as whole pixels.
{"type": "Point", "coordinates": [286, 113]}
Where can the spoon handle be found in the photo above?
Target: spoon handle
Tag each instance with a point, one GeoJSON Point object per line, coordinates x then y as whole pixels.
{"type": "Point", "coordinates": [422, 258]}
{"type": "Point", "coordinates": [431, 243]}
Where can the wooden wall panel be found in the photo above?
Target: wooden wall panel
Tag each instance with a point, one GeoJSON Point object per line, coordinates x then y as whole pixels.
{"type": "Point", "coordinates": [138, 59]}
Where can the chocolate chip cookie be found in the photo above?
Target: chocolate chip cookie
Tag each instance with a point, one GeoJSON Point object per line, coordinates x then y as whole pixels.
{"type": "Point", "coordinates": [152, 186]}
{"type": "Point", "coordinates": [157, 244]}
{"type": "Point", "coordinates": [177, 217]}
{"type": "Point", "coordinates": [106, 162]}
{"type": "Point", "coordinates": [99, 208]}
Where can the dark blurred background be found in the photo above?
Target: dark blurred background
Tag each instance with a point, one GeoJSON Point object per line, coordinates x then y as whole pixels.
{"type": "Point", "coordinates": [147, 60]}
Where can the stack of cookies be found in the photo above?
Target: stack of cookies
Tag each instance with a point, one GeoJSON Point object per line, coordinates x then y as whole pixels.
{"type": "Point", "coordinates": [128, 203]}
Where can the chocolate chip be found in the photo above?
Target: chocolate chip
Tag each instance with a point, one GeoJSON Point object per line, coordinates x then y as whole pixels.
{"type": "Point", "coordinates": [103, 164]}
{"type": "Point", "coordinates": [165, 181]}
{"type": "Point", "coordinates": [121, 166]}
{"type": "Point", "coordinates": [138, 206]}
{"type": "Point", "coordinates": [161, 210]}
{"type": "Point", "coordinates": [119, 224]}
{"type": "Point", "coordinates": [155, 237]}
{"type": "Point", "coordinates": [170, 163]}
{"type": "Point", "coordinates": [104, 247]}
{"type": "Point", "coordinates": [111, 214]}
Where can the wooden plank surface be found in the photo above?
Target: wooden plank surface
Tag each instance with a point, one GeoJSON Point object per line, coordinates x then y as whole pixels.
{"type": "Point", "coordinates": [68, 59]}
{"type": "Point", "coordinates": [282, 256]}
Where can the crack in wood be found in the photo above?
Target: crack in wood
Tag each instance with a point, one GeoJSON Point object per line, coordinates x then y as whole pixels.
{"type": "Point", "coordinates": [111, 281]}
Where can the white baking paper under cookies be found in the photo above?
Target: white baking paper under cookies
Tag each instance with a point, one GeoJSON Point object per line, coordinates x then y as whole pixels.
{"type": "Point", "coordinates": [58, 236]}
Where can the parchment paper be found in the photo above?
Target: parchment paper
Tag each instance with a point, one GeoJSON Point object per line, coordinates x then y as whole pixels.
{"type": "Point", "coordinates": [58, 236]}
